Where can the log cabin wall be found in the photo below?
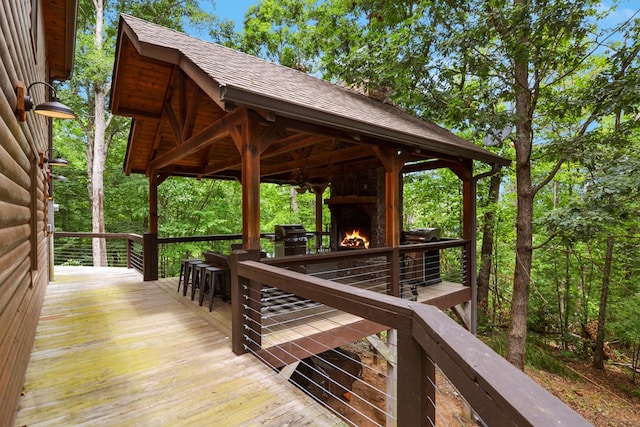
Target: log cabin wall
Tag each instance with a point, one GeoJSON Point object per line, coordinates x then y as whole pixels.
{"type": "Point", "coordinates": [23, 196]}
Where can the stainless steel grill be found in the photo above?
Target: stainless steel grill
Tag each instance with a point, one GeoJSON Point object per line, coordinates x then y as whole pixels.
{"type": "Point", "coordinates": [290, 239]}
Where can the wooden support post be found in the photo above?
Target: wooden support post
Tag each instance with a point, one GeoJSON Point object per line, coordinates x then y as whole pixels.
{"type": "Point", "coordinates": [251, 198]}
{"type": "Point", "coordinates": [150, 256]}
{"type": "Point", "coordinates": [318, 190]}
{"type": "Point", "coordinates": [150, 240]}
{"type": "Point", "coordinates": [393, 204]}
{"type": "Point", "coordinates": [416, 383]}
{"type": "Point", "coordinates": [393, 262]}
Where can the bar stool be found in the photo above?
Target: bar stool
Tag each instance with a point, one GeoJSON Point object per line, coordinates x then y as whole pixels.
{"type": "Point", "coordinates": [198, 276]}
{"type": "Point", "coordinates": [210, 275]}
{"type": "Point", "coordinates": [183, 270]}
{"type": "Point", "coordinates": [190, 276]}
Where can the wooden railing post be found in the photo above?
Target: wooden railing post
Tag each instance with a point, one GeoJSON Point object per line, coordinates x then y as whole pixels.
{"type": "Point", "coordinates": [150, 256]}
{"type": "Point", "coordinates": [238, 300]}
{"type": "Point", "coordinates": [416, 390]}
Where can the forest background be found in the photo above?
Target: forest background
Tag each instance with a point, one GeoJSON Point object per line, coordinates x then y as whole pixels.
{"type": "Point", "coordinates": [542, 83]}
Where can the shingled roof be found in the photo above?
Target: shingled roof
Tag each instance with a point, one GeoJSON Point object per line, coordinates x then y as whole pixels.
{"type": "Point", "coordinates": [233, 79]}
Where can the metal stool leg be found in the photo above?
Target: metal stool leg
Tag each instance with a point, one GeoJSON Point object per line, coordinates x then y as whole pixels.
{"type": "Point", "coordinates": [198, 276]}
{"type": "Point", "coordinates": [204, 275]}
{"type": "Point", "coordinates": [212, 290]}
{"type": "Point", "coordinates": [187, 275]}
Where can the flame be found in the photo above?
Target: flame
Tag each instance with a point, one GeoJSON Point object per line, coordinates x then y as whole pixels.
{"type": "Point", "coordinates": [355, 240]}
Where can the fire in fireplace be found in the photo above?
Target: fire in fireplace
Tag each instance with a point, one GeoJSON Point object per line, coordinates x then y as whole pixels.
{"type": "Point", "coordinates": [355, 240]}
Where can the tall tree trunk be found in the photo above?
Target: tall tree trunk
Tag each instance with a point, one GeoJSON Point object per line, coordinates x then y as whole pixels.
{"type": "Point", "coordinates": [517, 332]}
{"type": "Point", "coordinates": [98, 151]}
{"type": "Point", "coordinates": [486, 252]}
{"type": "Point", "coordinates": [99, 246]}
{"type": "Point", "coordinates": [293, 196]}
{"type": "Point", "coordinates": [598, 354]}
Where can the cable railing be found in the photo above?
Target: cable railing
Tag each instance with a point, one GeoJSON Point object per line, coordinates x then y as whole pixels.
{"type": "Point", "coordinates": [374, 359]}
{"type": "Point", "coordinates": [122, 249]}
{"type": "Point", "coordinates": [172, 250]}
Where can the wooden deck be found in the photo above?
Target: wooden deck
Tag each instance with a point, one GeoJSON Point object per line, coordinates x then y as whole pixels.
{"type": "Point", "coordinates": [111, 349]}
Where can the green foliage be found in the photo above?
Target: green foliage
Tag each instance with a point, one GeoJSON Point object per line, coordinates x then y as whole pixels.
{"type": "Point", "coordinates": [450, 62]}
{"type": "Point", "coordinates": [433, 199]}
{"type": "Point", "coordinates": [540, 355]}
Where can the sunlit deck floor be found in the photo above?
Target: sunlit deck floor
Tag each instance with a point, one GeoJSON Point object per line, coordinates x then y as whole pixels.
{"type": "Point", "coordinates": [111, 349]}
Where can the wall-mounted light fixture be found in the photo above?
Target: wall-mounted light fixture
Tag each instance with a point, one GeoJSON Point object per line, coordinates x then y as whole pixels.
{"type": "Point", "coordinates": [53, 108]}
{"type": "Point", "coordinates": [58, 161]}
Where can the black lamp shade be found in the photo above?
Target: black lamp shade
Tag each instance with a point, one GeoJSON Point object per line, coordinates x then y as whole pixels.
{"type": "Point", "coordinates": [55, 109]}
{"type": "Point", "coordinates": [59, 161]}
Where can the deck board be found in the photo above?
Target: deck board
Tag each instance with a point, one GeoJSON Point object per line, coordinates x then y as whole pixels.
{"type": "Point", "coordinates": [111, 349]}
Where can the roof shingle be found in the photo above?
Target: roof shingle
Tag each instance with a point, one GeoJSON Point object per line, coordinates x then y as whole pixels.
{"type": "Point", "coordinates": [244, 79]}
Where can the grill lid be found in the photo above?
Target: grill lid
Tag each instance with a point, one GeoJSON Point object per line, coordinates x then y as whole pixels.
{"type": "Point", "coordinates": [422, 235]}
{"type": "Point", "coordinates": [289, 231]}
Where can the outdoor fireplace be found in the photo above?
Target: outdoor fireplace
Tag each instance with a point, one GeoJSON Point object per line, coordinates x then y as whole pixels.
{"type": "Point", "coordinates": [353, 226]}
{"type": "Point", "coordinates": [357, 210]}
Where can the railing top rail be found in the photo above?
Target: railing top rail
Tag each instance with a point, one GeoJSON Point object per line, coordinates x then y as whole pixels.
{"type": "Point", "coordinates": [211, 237]}
{"type": "Point", "coordinates": [484, 378]}
{"type": "Point", "coordinates": [363, 253]}
{"type": "Point", "coordinates": [359, 302]}
{"type": "Point", "coordinates": [128, 236]}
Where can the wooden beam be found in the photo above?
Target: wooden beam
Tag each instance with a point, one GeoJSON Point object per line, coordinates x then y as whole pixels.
{"type": "Point", "coordinates": [213, 132]}
{"type": "Point", "coordinates": [312, 129]}
{"type": "Point", "coordinates": [326, 160]}
{"type": "Point", "coordinates": [429, 165]}
{"type": "Point", "coordinates": [193, 107]}
{"type": "Point", "coordinates": [282, 146]}
{"type": "Point", "coordinates": [290, 143]}
{"type": "Point", "coordinates": [176, 125]}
